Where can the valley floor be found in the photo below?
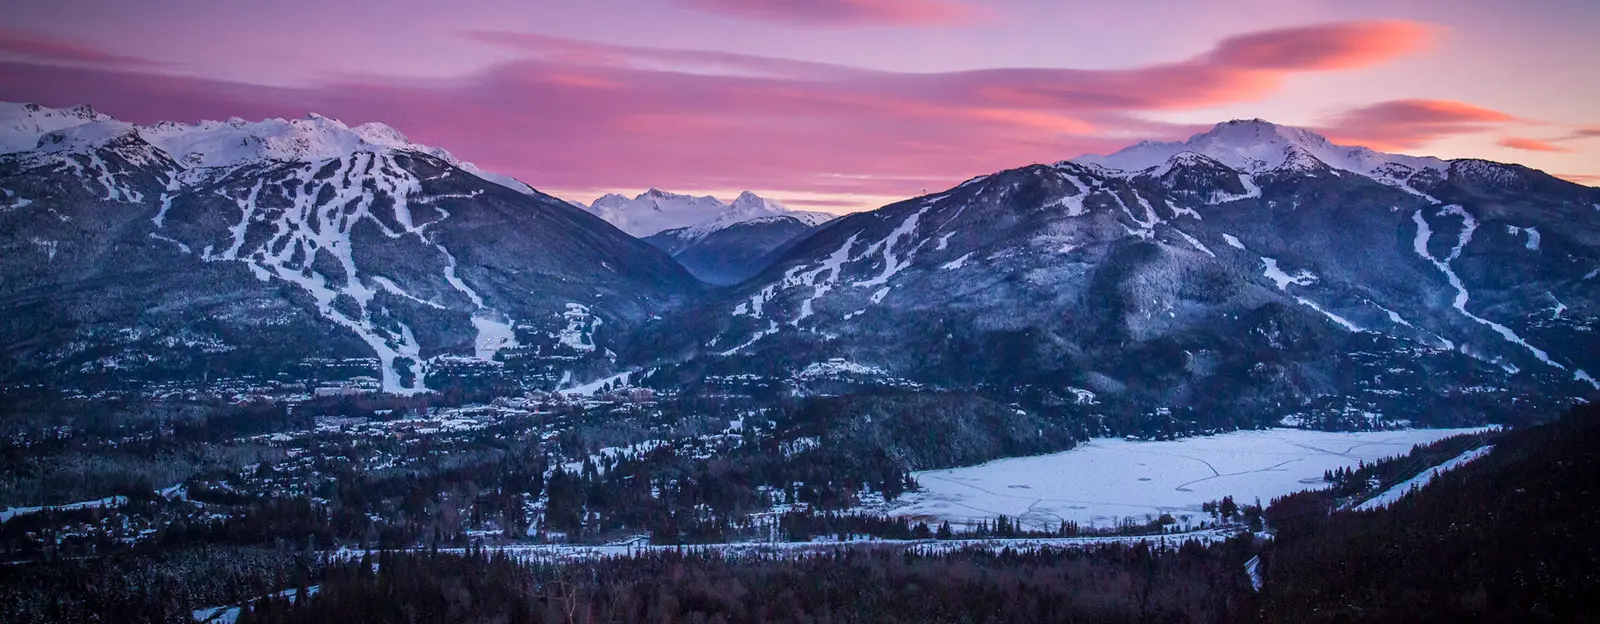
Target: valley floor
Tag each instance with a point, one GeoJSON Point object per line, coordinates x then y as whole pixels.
{"type": "Point", "coordinates": [1106, 481]}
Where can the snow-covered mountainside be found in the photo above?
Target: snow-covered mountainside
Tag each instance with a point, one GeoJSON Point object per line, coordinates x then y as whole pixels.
{"type": "Point", "coordinates": [275, 246]}
{"type": "Point", "coordinates": [1255, 269]}
{"type": "Point", "coordinates": [719, 243]}
{"type": "Point", "coordinates": [1255, 146]}
{"type": "Point", "coordinates": [656, 211]}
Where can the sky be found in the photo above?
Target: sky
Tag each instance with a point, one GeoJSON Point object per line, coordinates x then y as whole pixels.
{"type": "Point", "coordinates": [835, 105]}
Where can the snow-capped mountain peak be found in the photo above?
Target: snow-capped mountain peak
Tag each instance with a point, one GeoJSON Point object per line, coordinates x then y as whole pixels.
{"type": "Point", "coordinates": [656, 211]}
{"type": "Point", "coordinates": [212, 144]}
{"type": "Point", "coordinates": [1256, 146]}
{"type": "Point", "coordinates": [22, 125]}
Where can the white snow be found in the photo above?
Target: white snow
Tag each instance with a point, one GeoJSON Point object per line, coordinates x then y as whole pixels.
{"type": "Point", "coordinates": [109, 501]}
{"type": "Point", "coordinates": [893, 264]}
{"type": "Point", "coordinates": [1283, 280]}
{"type": "Point", "coordinates": [830, 266]}
{"type": "Point", "coordinates": [1195, 242]}
{"type": "Point", "coordinates": [656, 211]}
{"type": "Point", "coordinates": [1255, 146]}
{"type": "Point", "coordinates": [21, 125]}
{"type": "Point", "coordinates": [772, 328]}
{"type": "Point", "coordinates": [1073, 203]}
{"type": "Point", "coordinates": [494, 334]}
{"type": "Point", "coordinates": [957, 263]}
{"type": "Point", "coordinates": [1105, 480]}
{"type": "Point", "coordinates": [1469, 224]}
{"type": "Point", "coordinates": [1341, 321]}
{"type": "Point", "coordinates": [838, 366]}
{"type": "Point", "coordinates": [1233, 242]}
{"type": "Point", "coordinates": [311, 225]}
{"type": "Point", "coordinates": [590, 389]}
{"type": "Point", "coordinates": [581, 325]}
{"type": "Point", "coordinates": [218, 144]}
{"type": "Point", "coordinates": [1399, 490]}
{"type": "Point", "coordinates": [1531, 232]}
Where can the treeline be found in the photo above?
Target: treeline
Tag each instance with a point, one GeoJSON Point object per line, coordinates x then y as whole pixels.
{"type": "Point", "coordinates": [152, 587]}
{"type": "Point", "coordinates": [1190, 583]}
{"type": "Point", "coordinates": [1367, 479]}
{"type": "Point", "coordinates": [1512, 537]}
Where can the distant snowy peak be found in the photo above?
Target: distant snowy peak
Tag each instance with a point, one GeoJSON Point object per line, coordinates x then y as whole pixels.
{"type": "Point", "coordinates": [22, 125]}
{"type": "Point", "coordinates": [1256, 146]}
{"type": "Point", "coordinates": [656, 211]}
{"type": "Point", "coordinates": [213, 144]}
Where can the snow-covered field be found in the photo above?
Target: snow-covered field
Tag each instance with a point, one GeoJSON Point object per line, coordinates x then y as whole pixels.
{"type": "Point", "coordinates": [1102, 481]}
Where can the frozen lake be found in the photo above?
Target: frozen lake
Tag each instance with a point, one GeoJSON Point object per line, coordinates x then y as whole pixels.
{"type": "Point", "coordinates": [1104, 480]}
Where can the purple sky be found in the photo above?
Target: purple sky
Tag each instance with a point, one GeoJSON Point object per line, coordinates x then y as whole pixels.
{"type": "Point", "coordinates": [832, 104]}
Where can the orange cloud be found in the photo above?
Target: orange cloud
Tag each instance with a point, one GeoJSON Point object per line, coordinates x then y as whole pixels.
{"type": "Point", "coordinates": [1409, 124]}
{"type": "Point", "coordinates": [574, 114]}
{"type": "Point", "coordinates": [1531, 145]}
{"type": "Point", "coordinates": [1580, 178]}
{"type": "Point", "coordinates": [1324, 47]}
{"type": "Point", "coordinates": [844, 12]}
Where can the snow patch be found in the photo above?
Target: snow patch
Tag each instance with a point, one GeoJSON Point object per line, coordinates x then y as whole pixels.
{"type": "Point", "coordinates": [1469, 224]}
{"type": "Point", "coordinates": [1399, 490]}
{"type": "Point", "coordinates": [1533, 236]}
{"type": "Point", "coordinates": [957, 263]}
{"type": "Point", "coordinates": [107, 502]}
{"type": "Point", "coordinates": [1341, 321]}
{"type": "Point", "coordinates": [1195, 242]}
{"type": "Point", "coordinates": [1282, 279]}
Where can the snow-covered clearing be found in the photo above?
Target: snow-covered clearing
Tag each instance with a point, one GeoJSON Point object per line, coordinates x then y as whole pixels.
{"type": "Point", "coordinates": [110, 501]}
{"type": "Point", "coordinates": [1389, 496]}
{"type": "Point", "coordinates": [1105, 480]}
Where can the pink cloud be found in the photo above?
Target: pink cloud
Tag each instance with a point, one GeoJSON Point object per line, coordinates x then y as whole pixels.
{"type": "Point", "coordinates": [1330, 46]}
{"type": "Point", "coordinates": [1580, 178]}
{"type": "Point", "coordinates": [1530, 145]}
{"type": "Point", "coordinates": [584, 115]}
{"type": "Point", "coordinates": [51, 50]}
{"type": "Point", "coordinates": [1409, 124]}
{"type": "Point", "coordinates": [844, 12]}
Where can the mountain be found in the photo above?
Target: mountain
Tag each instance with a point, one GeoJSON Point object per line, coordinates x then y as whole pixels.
{"type": "Point", "coordinates": [1254, 273]}
{"type": "Point", "coordinates": [656, 211]}
{"type": "Point", "coordinates": [719, 243]}
{"type": "Point", "coordinates": [298, 249]}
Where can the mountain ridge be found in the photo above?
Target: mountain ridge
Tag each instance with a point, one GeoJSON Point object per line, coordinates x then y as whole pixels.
{"type": "Point", "coordinates": [346, 243]}
{"type": "Point", "coordinates": [1074, 276]}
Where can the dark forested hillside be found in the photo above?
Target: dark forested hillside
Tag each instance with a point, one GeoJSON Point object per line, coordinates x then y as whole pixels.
{"type": "Point", "coordinates": [1189, 584]}
{"type": "Point", "coordinates": [1513, 537]}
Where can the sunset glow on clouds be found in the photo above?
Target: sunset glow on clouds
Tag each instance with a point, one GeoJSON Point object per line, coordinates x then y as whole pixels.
{"type": "Point", "coordinates": [581, 116]}
{"type": "Point", "coordinates": [845, 12]}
